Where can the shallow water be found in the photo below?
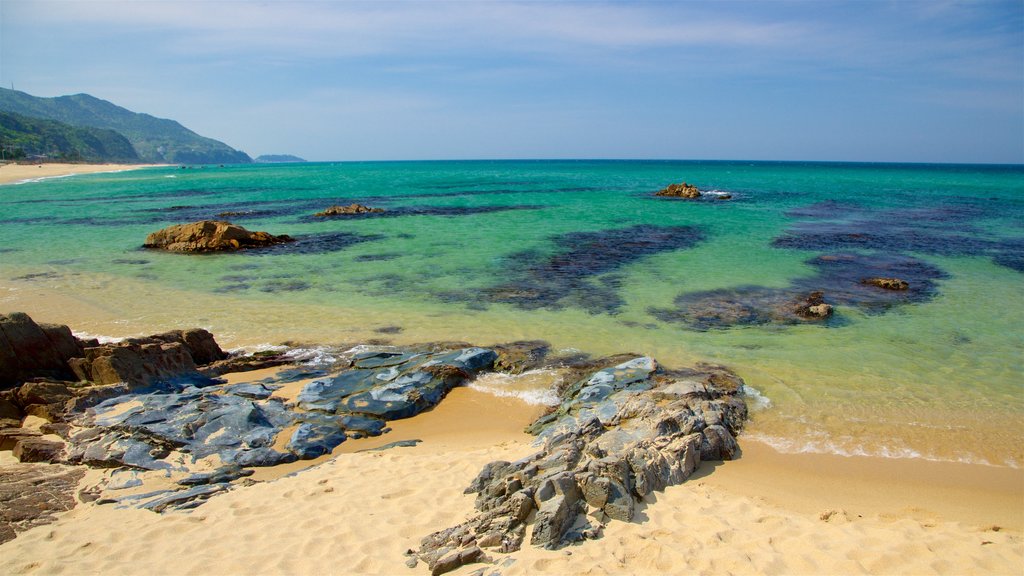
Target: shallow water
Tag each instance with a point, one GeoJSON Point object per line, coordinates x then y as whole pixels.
{"type": "Point", "coordinates": [581, 254]}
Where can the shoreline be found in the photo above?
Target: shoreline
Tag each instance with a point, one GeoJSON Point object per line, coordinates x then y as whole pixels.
{"type": "Point", "coordinates": [762, 513]}
{"type": "Point", "coordinates": [18, 173]}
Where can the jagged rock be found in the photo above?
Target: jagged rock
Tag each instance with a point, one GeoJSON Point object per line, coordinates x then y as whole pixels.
{"type": "Point", "coordinates": [349, 210]}
{"type": "Point", "coordinates": [31, 494]}
{"type": "Point", "coordinates": [38, 450]}
{"type": "Point", "coordinates": [210, 236]}
{"type": "Point", "coordinates": [683, 190]}
{"type": "Point", "coordinates": [29, 350]}
{"type": "Point", "coordinates": [887, 283]}
{"type": "Point", "coordinates": [620, 433]}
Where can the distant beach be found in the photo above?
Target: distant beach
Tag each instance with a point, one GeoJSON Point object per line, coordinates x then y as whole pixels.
{"type": "Point", "coordinates": [12, 173]}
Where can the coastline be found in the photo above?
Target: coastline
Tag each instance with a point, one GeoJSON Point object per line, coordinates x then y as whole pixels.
{"type": "Point", "coordinates": [763, 513]}
{"type": "Point", "coordinates": [15, 173]}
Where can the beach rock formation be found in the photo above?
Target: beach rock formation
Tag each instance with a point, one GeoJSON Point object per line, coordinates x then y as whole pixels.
{"type": "Point", "coordinates": [29, 350]}
{"type": "Point", "coordinates": [620, 434]}
{"type": "Point", "coordinates": [682, 190]}
{"type": "Point", "coordinates": [210, 236]}
{"type": "Point", "coordinates": [142, 362]}
{"type": "Point", "coordinates": [887, 283]}
{"type": "Point", "coordinates": [182, 427]}
{"type": "Point", "coordinates": [31, 494]}
{"type": "Point", "coordinates": [350, 210]}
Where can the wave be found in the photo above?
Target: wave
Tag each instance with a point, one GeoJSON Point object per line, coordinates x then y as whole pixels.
{"type": "Point", "coordinates": [535, 387]}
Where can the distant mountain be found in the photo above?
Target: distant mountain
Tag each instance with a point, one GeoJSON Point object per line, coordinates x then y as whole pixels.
{"type": "Point", "coordinates": [154, 139]}
{"type": "Point", "coordinates": [275, 158]}
{"type": "Point", "coordinates": [24, 137]}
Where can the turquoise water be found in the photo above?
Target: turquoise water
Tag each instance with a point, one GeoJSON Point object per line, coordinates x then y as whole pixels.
{"type": "Point", "coordinates": [580, 253]}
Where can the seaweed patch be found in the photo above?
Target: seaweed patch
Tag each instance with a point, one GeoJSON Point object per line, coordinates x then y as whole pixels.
{"type": "Point", "coordinates": [572, 275]}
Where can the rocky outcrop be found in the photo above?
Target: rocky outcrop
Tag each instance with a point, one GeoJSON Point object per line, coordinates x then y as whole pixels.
{"type": "Point", "coordinates": [210, 236]}
{"type": "Point", "coordinates": [350, 210]}
{"type": "Point", "coordinates": [142, 362]}
{"type": "Point", "coordinates": [29, 350]}
{"type": "Point", "coordinates": [32, 494]}
{"type": "Point", "coordinates": [887, 283]}
{"type": "Point", "coordinates": [682, 190]}
{"type": "Point", "coordinates": [243, 425]}
{"type": "Point", "coordinates": [619, 435]}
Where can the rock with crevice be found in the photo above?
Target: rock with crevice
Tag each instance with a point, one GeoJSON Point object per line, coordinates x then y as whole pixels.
{"type": "Point", "coordinates": [621, 433]}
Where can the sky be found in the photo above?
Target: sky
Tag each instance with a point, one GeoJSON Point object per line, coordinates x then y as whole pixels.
{"type": "Point", "coordinates": [896, 81]}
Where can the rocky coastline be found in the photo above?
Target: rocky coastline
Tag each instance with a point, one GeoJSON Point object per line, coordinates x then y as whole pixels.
{"type": "Point", "coordinates": [167, 434]}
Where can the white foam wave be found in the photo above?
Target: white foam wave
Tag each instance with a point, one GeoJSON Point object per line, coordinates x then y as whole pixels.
{"type": "Point", "coordinates": [536, 387]}
{"type": "Point", "coordinates": [101, 339]}
{"type": "Point", "coordinates": [755, 400]}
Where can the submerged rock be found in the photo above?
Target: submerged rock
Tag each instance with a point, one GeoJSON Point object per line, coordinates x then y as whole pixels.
{"type": "Point", "coordinates": [578, 273]}
{"type": "Point", "coordinates": [620, 433]}
{"type": "Point", "coordinates": [682, 190]}
{"type": "Point", "coordinates": [887, 283]}
{"type": "Point", "coordinates": [349, 210]}
{"type": "Point", "coordinates": [839, 282]}
{"type": "Point", "coordinates": [210, 236]}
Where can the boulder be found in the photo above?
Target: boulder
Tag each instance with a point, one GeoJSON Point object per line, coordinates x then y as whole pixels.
{"type": "Point", "coordinates": [682, 190]}
{"type": "Point", "coordinates": [210, 236]}
{"type": "Point", "coordinates": [887, 283]}
{"type": "Point", "coordinates": [29, 350]}
{"type": "Point", "coordinates": [350, 210]}
{"type": "Point", "coordinates": [38, 450]}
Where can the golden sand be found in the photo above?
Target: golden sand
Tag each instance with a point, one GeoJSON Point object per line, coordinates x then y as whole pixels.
{"type": "Point", "coordinates": [358, 512]}
{"type": "Point", "coordinates": [12, 173]}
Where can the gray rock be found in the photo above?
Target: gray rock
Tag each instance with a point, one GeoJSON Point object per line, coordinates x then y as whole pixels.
{"type": "Point", "coordinates": [621, 433]}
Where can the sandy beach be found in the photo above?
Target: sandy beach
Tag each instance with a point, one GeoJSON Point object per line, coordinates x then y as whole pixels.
{"type": "Point", "coordinates": [357, 513]}
{"type": "Point", "coordinates": [13, 173]}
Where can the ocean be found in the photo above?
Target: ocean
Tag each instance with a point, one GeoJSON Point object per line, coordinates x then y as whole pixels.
{"type": "Point", "coordinates": [583, 255]}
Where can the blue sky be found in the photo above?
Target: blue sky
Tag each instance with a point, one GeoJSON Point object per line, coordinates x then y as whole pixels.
{"type": "Point", "coordinates": [910, 81]}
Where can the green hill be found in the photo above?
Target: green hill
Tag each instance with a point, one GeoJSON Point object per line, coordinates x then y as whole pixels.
{"type": "Point", "coordinates": [278, 158]}
{"type": "Point", "coordinates": [154, 139]}
{"type": "Point", "coordinates": [24, 137]}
